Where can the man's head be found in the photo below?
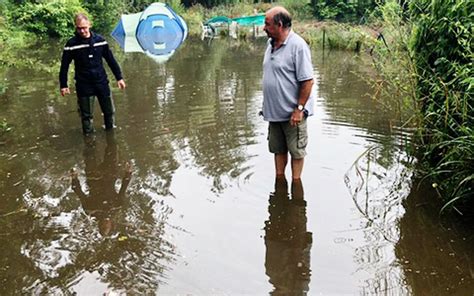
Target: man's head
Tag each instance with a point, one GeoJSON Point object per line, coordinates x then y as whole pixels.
{"type": "Point", "coordinates": [82, 25]}
{"type": "Point", "coordinates": [277, 22]}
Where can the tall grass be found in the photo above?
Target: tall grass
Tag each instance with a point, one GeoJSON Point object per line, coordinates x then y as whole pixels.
{"type": "Point", "coordinates": [396, 81]}
{"type": "Point", "coordinates": [442, 50]}
{"type": "Point", "coordinates": [429, 64]}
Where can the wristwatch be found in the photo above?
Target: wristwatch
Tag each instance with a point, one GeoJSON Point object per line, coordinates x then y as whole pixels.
{"type": "Point", "coordinates": [300, 107]}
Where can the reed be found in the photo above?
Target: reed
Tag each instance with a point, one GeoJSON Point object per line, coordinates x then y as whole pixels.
{"type": "Point", "coordinates": [441, 46]}
{"type": "Point", "coordinates": [428, 65]}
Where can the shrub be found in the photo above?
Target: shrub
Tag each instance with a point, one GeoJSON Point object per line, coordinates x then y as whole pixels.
{"type": "Point", "coordinates": [106, 14]}
{"type": "Point", "coordinates": [194, 17]}
{"type": "Point", "coordinates": [54, 19]}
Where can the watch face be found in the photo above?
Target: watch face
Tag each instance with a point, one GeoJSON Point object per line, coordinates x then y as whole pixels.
{"type": "Point", "coordinates": [300, 107]}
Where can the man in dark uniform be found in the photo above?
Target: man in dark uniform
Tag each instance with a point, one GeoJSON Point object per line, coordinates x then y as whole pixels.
{"type": "Point", "coordinates": [87, 50]}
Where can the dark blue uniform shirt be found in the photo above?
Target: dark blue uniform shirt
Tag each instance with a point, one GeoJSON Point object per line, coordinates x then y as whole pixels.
{"type": "Point", "coordinates": [90, 76]}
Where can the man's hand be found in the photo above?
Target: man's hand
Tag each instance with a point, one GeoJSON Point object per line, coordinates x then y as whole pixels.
{"type": "Point", "coordinates": [296, 117]}
{"type": "Point", "coordinates": [65, 91]}
{"type": "Point", "coordinates": [121, 84]}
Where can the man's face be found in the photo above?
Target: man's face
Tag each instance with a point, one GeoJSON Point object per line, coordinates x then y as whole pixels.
{"type": "Point", "coordinates": [82, 28]}
{"type": "Point", "coordinates": [270, 27]}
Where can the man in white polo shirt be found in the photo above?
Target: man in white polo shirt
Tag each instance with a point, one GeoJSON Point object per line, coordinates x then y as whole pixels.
{"type": "Point", "coordinates": [287, 91]}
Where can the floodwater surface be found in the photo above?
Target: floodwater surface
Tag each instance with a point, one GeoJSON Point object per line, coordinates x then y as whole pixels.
{"type": "Point", "coordinates": [181, 198]}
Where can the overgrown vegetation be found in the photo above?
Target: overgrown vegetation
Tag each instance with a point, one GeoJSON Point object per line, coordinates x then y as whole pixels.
{"type": "Point", "coordinates": [442, 48]}
{"type": "Point", "coordinates": [427, 67]}
{"type": "Point", "coordinates": [341, 10]}
{"type": "Point", "coordinates": [395, 85]}
{"type": "Point", "coordinates": [51, 19]}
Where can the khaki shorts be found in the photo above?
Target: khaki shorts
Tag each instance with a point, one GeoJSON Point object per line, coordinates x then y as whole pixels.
{"type": "Point", "coordinates": [284, 138]}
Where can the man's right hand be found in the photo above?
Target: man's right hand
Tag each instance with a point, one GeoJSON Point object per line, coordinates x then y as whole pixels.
{"type": "Point", "coordinates": [65, 91]}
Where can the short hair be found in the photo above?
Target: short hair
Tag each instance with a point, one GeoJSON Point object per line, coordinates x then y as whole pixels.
{"type": "Point", "coordinates": [283, 17]}
{"type": "Point", "coordinates": [80, 16]}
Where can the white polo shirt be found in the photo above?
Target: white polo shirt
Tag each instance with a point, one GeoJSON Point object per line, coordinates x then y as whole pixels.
{"type": "Point", "coordinates": [283, 70]}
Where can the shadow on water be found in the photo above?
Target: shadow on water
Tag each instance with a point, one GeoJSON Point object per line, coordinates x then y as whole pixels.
{"type": "Point", "coordinates": [287, 241]}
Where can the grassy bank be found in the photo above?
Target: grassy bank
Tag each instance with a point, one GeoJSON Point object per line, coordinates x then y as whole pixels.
{"type": "Point", "coordinates": [429, 64]}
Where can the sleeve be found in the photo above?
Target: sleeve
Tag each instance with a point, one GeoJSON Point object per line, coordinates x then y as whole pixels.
{"type": "Point", "coordinates": [304, 66]}
{"type": "Point", "coordinates": [110, 59]}
{"type": "Point", "coordinates": [65, 62]}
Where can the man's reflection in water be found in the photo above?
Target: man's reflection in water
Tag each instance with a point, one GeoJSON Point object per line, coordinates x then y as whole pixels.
{"type": "Point", "coordinates": [103, 201]}
{"type": "Point", "coordinates": [287, 241]}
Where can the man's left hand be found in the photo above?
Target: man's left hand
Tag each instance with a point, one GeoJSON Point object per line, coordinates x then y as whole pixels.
{"type": "Point", "coordinates": [121, 84]}
{"type": "Point", "coordinates": [296, 117]}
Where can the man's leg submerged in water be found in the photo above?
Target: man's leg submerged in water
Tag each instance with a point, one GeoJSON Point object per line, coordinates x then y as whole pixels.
{"type": "Point", "coordinates": [86, 110]}
{"type": "Point", "coordinates": [108, 109]}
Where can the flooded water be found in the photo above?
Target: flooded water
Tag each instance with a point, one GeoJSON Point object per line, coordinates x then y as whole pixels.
{"type": "Point", "coordinates": [181, 198]}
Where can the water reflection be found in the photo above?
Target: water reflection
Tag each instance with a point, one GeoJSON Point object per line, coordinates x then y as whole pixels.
{"type": "Point", "coordinates": [378, 188]}
{"type": "Point", "coordinates": [194, 112]}
{"type": "Point", "coordinates": [436, 255]}
{"type": "Point", "coordinates": [130, 255]}
{"type": "Point", "coordinates": [190, 129]}
{"type": "Point", "coordinates": [64, 238]}
{"type": "Point", "coordinates": [287, 241]}
{"type": "Point", "coordinates": [103, 202]}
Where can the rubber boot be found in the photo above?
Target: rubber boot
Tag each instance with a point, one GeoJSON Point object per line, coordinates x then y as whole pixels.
{"type": "Point", "coordinates": [108, 109]}
{"type": "Point", "coordinates": [86, 108]}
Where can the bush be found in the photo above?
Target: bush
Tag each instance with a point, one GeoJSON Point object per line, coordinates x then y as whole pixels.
{"type": "Point", "coordinates": [343, 10]}
{"type": "Point", "coordinates": [105, 15]}
{"type": "Point", "coordinates": [300, 10]}
{"type": "Point", "coordinates": [53, 19]}
{"type": "Point", "coordinates": [194, 17]}
{"type": "Point", "coordinates": [176, 6]}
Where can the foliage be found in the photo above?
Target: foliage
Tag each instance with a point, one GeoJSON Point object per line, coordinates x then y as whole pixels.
{"type": "Point", "coordinates": [214, 3]}
{"type": "Point", "coordinates": [443, 56]}
{"type": "Point", "coordinates": [231, 11]}
{"type": "Point", "coordinates": [3, 87]}
{"type": "Point", "coordinates": [334, 35]}
{"type": "Point", "coordinates": [300, 10]}
{"type": "Point", "coordinates": [176, 5]}
{"type": "Point", "coordinates": [428, 63]}
{"type": "Point", "coordinates": [343, 10]}
{"type": "Point", "coordinates": [194, 17]}
{"type": "Point", "coordinates": [105, 15]}
{"type": "Point", "coordinates": [11, 41]}
{"type": "Point", "coordinates": [395, 83]}
{"type": "Point", "coordinates": [52, 19]}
